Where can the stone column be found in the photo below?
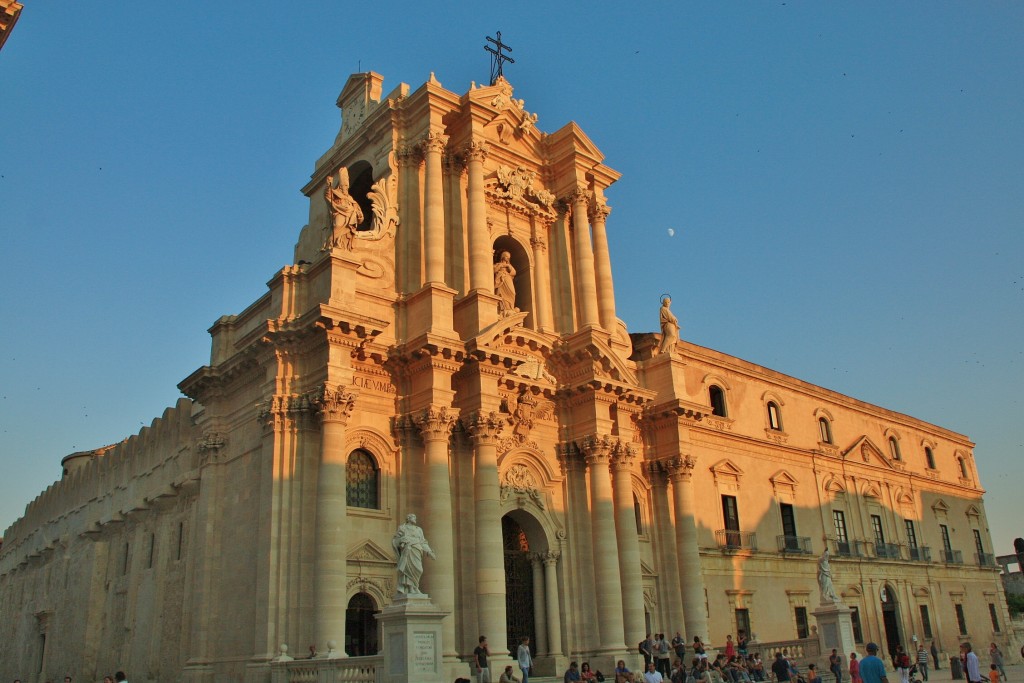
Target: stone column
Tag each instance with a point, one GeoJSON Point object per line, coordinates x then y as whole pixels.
{"type": "Point", "coordinates": [433, 203]}
{"type": "Point", "coordinates": [540, 624]}
{"type": "Point", "coordinates": [603, 265]}
{"type": "Point", "coordinates": [680, 472]}
{"type": "Point", "coordinates": [542, 277]}
{"type": "Point", "coordinates": [489, 554]}
{"type": "Point", "coordinates": [607, 582]}
{"type": "Point", "coordinates": [667, 558]}
{"type": "Point", "coordinates": [551, 602]}
{"type": "Point", "coordinates": [629, 545]}
{"type": "Point", "coordinates": [586, 286]}
{"type": "Point", "coordinates": [332, 521]}
{"type": "Point", "coordinates": [435, 424]}
{"type": "Point", "coordinates": [481, 269]}
{"type": "Point", "coordinates": [409, 275]}
{"type": "Point", "coordinates": [579, 573]}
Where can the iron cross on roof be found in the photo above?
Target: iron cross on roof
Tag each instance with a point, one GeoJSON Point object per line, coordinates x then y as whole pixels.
{"type": "Point", "coordinates": [497, 59]}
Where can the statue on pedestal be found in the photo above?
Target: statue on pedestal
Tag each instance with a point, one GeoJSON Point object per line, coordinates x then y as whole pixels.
{"type": "Point", "coordinates": [827, 590]}
{"type": "Point", "coordinates": [410, 545]}
{"type": "Point", "coordinates": [504, 285]}
{"type": "Point", "coordinates": [669, 326]}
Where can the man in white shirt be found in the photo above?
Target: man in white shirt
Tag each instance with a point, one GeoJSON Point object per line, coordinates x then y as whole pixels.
{"type": "Point", "coordinates": [652, 675]}
{"type": "Point", "coordinates": [973, 671]}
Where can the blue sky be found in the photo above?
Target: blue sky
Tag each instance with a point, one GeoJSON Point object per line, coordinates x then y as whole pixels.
{"type": "Point", "coordinates": [844, 184]}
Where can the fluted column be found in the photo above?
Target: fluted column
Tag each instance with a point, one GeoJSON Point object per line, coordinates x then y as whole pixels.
{"type": "Point", "coordinates": [607, 583]}
{"type": "Point", "coordinates": [665, 542]}
{"type": "Point", "coordinates": [489, 554]}
{"type": "Point", "coordinates": [435, 424]}
{"type": "Point", "coordinates": [409, 268]}
{"type": "Point", "coordinates": [586, 286]}
{"type": "Point", "coordinates": [603, 265]}
{"type": "Point", "coordinates": [542, 278]}
{"type": "Point", "coordinates": [551, 602]}
{"type": "Point", "coordinates": [481, 269]}
{"type": "Point", "coordinates": [582, 572]}
{"type": "Point", "coordinates": [629, 545]}
{"type": "Point", "coordinates": [433, 202]}
{"type": "Point", "coordinates": [540, 624]}
{"type": "Point", "coordinates": [680, 471]}
{"type": "Point", "coordinates": [331, 520]}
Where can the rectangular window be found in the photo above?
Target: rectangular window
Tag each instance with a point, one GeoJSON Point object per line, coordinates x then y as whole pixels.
{"type": "Point", "coordinates": [792, 543]}
{"type": "Point", "coordinates": [911, 534]}
{"type": "Point", "coordinates": [995, 617]}
{"type": "Point", "coordinates": [731, 517]}
{"type": "Point", "coordinates": [743, 622]}
{"type": "Point", "coordinates": [979, 546]}
{"type": "Point", "coordinates": [876, 526]}
{"type": "Point", "coordinates": [774, 421]}
{"type": "Point", "coordinates": [842, 541]}
{"type": "Point", "coordinates": [801, 622]}
{"type": "Point", "coordinates": [926, 622]}
{"type": "Point", "coordinates": [124, 560]}
{"type": "Point", "coordinates": [961, 620]}
{"type": "Point", "coordinates": [152, 550]}
{"type": "Point", "coordinates": [945, 538]}
{"type": "Point", "coordinates": [858, 635]}
{"type": "Point", "coordinates": [181, 537]}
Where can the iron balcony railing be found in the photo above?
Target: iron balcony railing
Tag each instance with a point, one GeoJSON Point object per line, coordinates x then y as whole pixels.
{"type": "Point", "coordinates": [849, 548]}
{"type": "Point", "coordinates": [888, 551]}
{"type": "Point", "coordinates": [736, 540]}
{"type": "Point", "coordinates": [794, 544]}
{"type": "Point", "coordinates": [921, 553]}
{"type": "Point", "coordinates": [985, 559]}
{"type": "Point", "coordinates": [952, 556]}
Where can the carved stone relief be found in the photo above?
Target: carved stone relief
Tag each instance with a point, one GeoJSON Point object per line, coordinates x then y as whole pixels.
{"type": "Point", "coordinates": [518, 480]}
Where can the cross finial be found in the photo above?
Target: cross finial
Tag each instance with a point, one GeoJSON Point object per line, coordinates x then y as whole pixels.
{"type": "Point", "coordinates": [497, 59]}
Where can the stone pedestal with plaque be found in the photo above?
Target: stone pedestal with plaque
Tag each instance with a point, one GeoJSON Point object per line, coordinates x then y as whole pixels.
{"type": "Point", "coordinates": [411, 641]}
{"type": "Point", "coordinates": [835, 630]}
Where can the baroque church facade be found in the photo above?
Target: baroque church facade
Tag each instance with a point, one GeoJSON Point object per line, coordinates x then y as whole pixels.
{"type": "Point", "coordinates": [446, 344]}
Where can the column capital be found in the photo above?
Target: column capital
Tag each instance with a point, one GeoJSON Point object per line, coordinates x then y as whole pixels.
{"type": "Point", "coordinates": [622, 456]}
{"type": "Point", "coordinates": [409, 156]}
{"type": "Point", "coordinates": [569, 457]}
{"type": "Point", "coordinates": [579, 197]}
{"type": "Point", "coordinates": [484, 426]}
{"type": "Point", "coordinates": [538, 243]}
{"type": "Point", "coordinates": [476, 150]}
{"type": "Point", "coordinates": [550, 557]}
{"type": "Point", "coordinates": [598, 211]}
{"type": "Point", "coordinates": [597, 448]}
{"type": "Point", "coordinates": [435, 422]}
{"type": "Point", "coordinates": [680, 468]}
{"type": "Point", "coordinates": [433, 142]}
{"type": "Point", "coordinates": [454, 164]}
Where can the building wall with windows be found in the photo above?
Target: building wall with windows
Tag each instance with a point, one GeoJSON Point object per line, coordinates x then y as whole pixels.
{"type": "Point", "coordinates": [446, 344]}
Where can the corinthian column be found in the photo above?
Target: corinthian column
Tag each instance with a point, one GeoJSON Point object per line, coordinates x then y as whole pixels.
{"type": "Point", "coordinates": [551, 601]}
{"type": "Point", "coordinates": [331, 519]}
{"type": "Point", "coordinates": [586, 287]}
{"type": "Point", "coordinates": [629, 544]}
{"type": "Point", "coordinates": [433, 202]}
{"type": "Point", "coordinates": [542, 278]}
{"type": "Point", "coordinates": [665, 543]}
{"type": "Point", "coordinates": [481, 271]}
{"type": "Point", "coordinates": [603, 265]}
{"type": "Point", "coordinates": [485, 428]}
{"type": "Point", "coordinates": [607, 583]}
{"type": "Point", "coordinates": [680, 472]}
{"type": "Point", "coordinates": [435, 424]}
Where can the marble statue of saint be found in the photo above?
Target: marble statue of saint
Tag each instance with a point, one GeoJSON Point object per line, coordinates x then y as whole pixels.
{"type": "Point", "coordinates": [669, 327]}
{"type": "Point", "coordinates": [346, 215]}
{"type": "Point", "coordinates": [504, 285]}
{"type": "Point", "coordinates": [410, 545]}
{"type": "Point", "coordinates": [828, 591]}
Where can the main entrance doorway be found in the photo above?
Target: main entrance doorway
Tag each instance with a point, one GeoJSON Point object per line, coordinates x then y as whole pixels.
{"type": "Point", "coordinates": [518, 585]}
{"type": "Point", "coordinates": [890, 619]}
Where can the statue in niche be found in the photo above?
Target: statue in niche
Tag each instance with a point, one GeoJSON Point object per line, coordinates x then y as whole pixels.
{"type": "Point", "coordinates": [345, 212]}
{"type": "Point", "coordinates": [825, 587]}
{"type": "Point", "coordinates": [669, 326]}
{"type": "Point", "coordinates": [505, 286]}
{"type": "Point", "coordinates": [410, 545]}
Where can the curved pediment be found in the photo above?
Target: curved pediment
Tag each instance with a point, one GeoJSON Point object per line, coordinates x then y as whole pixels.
{"type": "Point", "coordinates": [834, 485]}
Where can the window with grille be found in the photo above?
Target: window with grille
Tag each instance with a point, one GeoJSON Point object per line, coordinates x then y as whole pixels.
{"type": "Point", "coordinates": [800, 613]}
{"type": "Point", "coordinates": [363, 481]}
{"type": "Point", "coordinates": [946, 545]}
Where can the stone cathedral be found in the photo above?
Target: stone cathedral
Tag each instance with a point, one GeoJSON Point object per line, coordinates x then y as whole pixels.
{"type": "Point", "coordinates": [446, 345]}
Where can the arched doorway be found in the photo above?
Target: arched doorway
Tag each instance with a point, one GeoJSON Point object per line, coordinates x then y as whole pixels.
{"type": "Point", "coordinates": [360, 626]}
{"type": "Point", "coordinates": [890, 619]}
{"type": "Point", "coordinates": [519, 616]}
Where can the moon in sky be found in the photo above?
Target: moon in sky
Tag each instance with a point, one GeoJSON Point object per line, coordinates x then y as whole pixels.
{"type": "Point", "coordinates": [671, 232]}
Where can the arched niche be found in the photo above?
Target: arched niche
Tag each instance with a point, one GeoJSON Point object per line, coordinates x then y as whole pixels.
{"type": "Point", "coordinates": [524, 274]}
{"type": "Point", "coordinates": [360, 181]}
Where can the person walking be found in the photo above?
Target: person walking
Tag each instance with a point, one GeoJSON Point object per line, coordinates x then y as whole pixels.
{"type": "Point", "coordinates": [972, 667]}
{"type": "Point", "coordinates": [524, 658]}
{"type": "Point", "coordinates": [902, 661]}
{"type": "Point", "coordinates": [872, 669]}
{"type": "Point", "coordinates": [997, 659]}
{"type": "Point", "coordinates": [854, 669]}
{"type": "Point", "coordinates": [922, 662]}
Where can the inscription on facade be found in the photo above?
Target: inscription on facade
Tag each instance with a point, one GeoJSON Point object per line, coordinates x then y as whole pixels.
{"type": "Point", "coordinates": [424, 653]}
{"type": "Point", "coordinates": [374, 384]}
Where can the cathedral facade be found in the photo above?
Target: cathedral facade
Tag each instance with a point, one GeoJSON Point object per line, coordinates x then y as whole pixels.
{"type": "Point", "coordinates": [446, 344]}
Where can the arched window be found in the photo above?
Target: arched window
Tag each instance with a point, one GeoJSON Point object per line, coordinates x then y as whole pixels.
{"type": "Point", "coordinates": [929, 456]}
{"type": "Point", "coordinates": [826, 429]}
{"type": "Point", "coordinates": [774, 416]}
{"type": "Point", "coordinates": [363, 475]}
{"type": "Point", "coordinates": [638, 515]}
{"type": "Point", "coordinates": [717, 396]}
{"type": "Point", "coordinates": [894, 448]}
{"type": "Point", "coordinates": [963, 467]}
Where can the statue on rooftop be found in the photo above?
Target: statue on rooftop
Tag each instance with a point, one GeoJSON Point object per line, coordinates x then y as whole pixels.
{"type": "Point", "coordinates": [669, 326]}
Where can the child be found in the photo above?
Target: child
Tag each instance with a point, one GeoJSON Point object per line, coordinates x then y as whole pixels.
{"type": "Point", "coordinates": [993, 675]}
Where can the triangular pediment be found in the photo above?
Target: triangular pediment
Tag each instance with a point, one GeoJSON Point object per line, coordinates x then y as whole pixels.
{"type": "Point", "coordinates": [727, 468]}
{"type": "Point", "coordinates": [973, 511]}
{"type": "Point", "coordinates": [645, 569]}
{"type": "Point", "coordinates": [865, 450]}
{"type": "Point", "coordinates": [370, 552]}
{"type": "Point", "coordinates": [940, 507]}
{"type": "Point", "coordinates": [783, 478]}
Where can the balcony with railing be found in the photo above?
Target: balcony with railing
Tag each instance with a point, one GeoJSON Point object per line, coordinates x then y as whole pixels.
{"type": "Point", "coordinates": [888, 551]}
{"type": "Point", "coordinates": [794, 545]}
{"type": "Point", "coordinates": [985, 559]}
{"type": "Point", "coordinates": [729, 539]}
{"type": "Point", "coordinates": [921, 553]}
{"type": "Point", "coordinates": [952, 556]}
{"type": "Point", "coordinates": [848, 548]}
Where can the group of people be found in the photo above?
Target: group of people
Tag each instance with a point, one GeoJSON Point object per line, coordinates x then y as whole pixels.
{"type": "Point", "coordinates": [972, 665]}
{"type": "Point", "coordinates": [119, 677]}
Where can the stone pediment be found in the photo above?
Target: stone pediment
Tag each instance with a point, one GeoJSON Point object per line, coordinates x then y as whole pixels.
{"type": "Point", "coordinates": [646, 570]}
{"type": "Point", "coordinates": [866, 450]}
{"type": "Point", "coordinates": [726, 469]}
{"type": "Point", "coordinates": [371, 553]}
{"type": "Point", "coordinates": [783, 481]}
